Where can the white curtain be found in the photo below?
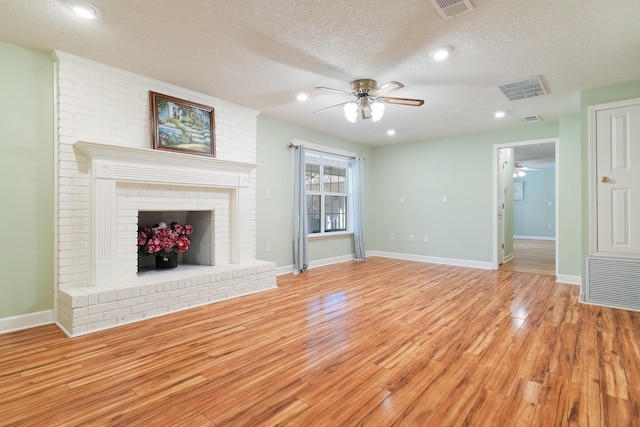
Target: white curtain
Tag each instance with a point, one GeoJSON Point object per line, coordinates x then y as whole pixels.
{"type": "Point", "coordinates": [300, 242]}
{"type": "Point", "coordinates": [357, 190]}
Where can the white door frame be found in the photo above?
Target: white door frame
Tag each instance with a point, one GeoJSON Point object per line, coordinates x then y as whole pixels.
{"type": "Point", "coordinates": [494, 214]}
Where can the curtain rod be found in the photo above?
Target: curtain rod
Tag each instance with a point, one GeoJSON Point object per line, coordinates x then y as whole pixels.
{"type": "Point", "coordinates": [314, 147]}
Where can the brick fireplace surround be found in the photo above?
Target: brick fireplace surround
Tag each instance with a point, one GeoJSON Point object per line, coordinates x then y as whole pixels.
{"type": "Point", "coordinates": [107, 173]}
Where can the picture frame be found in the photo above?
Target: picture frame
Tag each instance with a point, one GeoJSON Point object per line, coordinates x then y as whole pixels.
{"type": "Point", "coordinates": [518, 190]}
{"type": "Point", "coordinates": [181, 126]}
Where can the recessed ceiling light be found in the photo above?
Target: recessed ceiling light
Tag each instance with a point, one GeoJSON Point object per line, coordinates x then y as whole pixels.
{"type": "Point", "coordinates": [499, 114]}
{"type": "Point", "coordinates": [302, 96]}
{"type": "Point", "coordinates": [86, 10]}
{"type": "Point", "coordinates": [440, 53]}
{"type": "Point", "coordinates": [391, 132]}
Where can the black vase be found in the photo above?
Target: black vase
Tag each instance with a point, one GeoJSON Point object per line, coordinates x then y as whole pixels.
{"type": "Point", "coordinates": [167, 262]}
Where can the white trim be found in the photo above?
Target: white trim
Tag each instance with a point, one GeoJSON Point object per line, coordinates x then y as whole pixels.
{"type": "Point", "coordinates": [592, 110]}
{"type": "Point", "coordinates": [434, 260]}
{"type": "Point", "coordinates": [533, 237]}
{"type": "Point", "coordinates": [324, 149]}
{"type": "Point", "coordinates": [288, 269]}
{"type": "Point", "coordinates": [329, 234]}
{"type": "Point", "coordinates": [329, 261]}
{"type": "Point", "coordinates": [56, 189]}
{"type": "Point", "coordinates": [508, 258]}
{"type": "Point", "coordinates": [494, 214]}
{"type": "Point", "coordinates": [571, 280]}
{"type": "Point", "coordinates": [26, 321]}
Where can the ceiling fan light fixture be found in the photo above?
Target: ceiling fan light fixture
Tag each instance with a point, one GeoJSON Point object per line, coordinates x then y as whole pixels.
{"type": "Point", "coordinates": [302, 96]}
{"type": "Point", "coordinates": [351, 111]}
{"type": "Point", "coordinates": [377, 110]}
{"type": "Point", "coordinates": [499, 114]}
{"type": "Point", "coordinates": [86, 10]}
{"type": "Point", "coordinates": [440, 53]}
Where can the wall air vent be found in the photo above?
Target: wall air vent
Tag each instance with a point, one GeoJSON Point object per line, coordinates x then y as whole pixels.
{"type": "Point", "coordinates": [450, 8]}
{"type": "Point", "coordinates": [523, 88]}
{"type": "Point", "coordinates": [532, 119]}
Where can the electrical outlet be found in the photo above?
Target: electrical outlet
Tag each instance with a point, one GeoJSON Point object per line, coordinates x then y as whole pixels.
{"type": "Point", "coordinates": [268, 195]}
{"type": "Point", "coordinates": [412, 237]}
{"type": "Point", "coordinates": [426, 239]}
{"type": "Point", "coordinates": [392, 236]}
{"type": "Point", "coordinates": [444, 199]}
{"type": "Point", "coordinates": [401, 199]}
{"type": "Point", "coordinates": [268, 247]}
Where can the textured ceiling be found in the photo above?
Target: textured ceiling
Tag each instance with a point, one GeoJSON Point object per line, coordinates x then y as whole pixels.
{"type": "Point", "coordinates": [260, 54]}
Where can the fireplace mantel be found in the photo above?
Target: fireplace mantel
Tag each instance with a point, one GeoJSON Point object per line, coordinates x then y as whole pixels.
{"type": "Point", "coordinates": [112, 164]}
{"type": "Point", "coordinates": [162, 166]}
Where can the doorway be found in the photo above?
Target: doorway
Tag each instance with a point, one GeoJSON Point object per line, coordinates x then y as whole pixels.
{"type": "Point", "coordinates": [525, 206]}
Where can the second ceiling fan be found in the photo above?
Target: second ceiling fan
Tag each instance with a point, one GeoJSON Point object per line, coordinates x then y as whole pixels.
{"type": "Point", "coordinates": [370, 99]}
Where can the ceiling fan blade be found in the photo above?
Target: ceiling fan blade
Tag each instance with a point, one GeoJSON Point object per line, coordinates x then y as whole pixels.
{"type": "Point", "coordinates": [403, 101]}
{"type": "Point", "coordinates": [385, 88]}
{"type": "Point", "coordinates": [328, 89]}
{"type": "Point", "coordinates": [331, 108]}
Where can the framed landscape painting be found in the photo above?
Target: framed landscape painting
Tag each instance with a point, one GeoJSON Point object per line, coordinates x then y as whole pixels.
{"type": "Point", "coordinates": [182, 126]}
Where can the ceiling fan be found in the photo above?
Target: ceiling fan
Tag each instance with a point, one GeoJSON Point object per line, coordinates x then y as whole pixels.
{"type": "Point", "coordinates": [520, 171]}
{"type": "Point", "coordinates": [370, 99]}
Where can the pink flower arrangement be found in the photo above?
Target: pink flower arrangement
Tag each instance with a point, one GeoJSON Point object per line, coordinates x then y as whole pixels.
{"type": "Point", "coordinates": [164, 240]}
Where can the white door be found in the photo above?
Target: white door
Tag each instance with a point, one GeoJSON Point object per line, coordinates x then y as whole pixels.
{"type": "Point", "coordinates": [504, 156]}
{"type": "Point", "coordinates": [618, 175]}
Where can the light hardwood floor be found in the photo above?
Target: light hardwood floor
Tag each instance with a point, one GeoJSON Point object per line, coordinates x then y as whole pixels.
{"type": "Point", "coordinates": [533, 256]}
{"type": "Point", "coordinates": [379, 343]}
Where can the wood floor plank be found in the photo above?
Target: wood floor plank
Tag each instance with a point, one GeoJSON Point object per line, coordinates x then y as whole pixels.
{"type": "Point", "coordinates": [553, 403]}
{"type": "Point", "coordinates": [380, 343]}
{"type": "Point", "coordinates": [612, 373]}
{"type": "Point", "coordinates": [520, 406]}
{"type": "Point", "coordinates": [536, 364]}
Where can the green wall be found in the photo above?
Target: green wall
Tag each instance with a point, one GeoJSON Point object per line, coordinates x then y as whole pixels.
{"type": "Point", "coordinates": [460, 168]}
{"type": "Point", "coordinates": [534, 215]}
{"type": "Point", "coordinates": [26, 176]}
{"type": "Point", "coordinates": [275, 174]}
{"type": "Point", "coordinates": [568, 236]}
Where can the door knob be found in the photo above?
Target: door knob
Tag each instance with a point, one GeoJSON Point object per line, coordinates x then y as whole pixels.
{"type": "Point", "coordinates": [604, 179]}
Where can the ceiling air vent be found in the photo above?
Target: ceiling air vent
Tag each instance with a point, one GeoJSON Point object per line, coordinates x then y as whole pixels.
{"type": "Point", "coordinates": [532, 119]}
{"type": "Point", "coordinates": [450, 8]}
{"type": "Point", "coordinates": [523, 88]}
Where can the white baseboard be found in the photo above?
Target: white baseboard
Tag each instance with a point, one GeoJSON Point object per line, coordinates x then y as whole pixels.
{"type": "Point", "coordinates": [534, 238]}
{"type": "Point", "coordinates": [571, 280]}
{"type": "Point", "coordinates": [434, 260]}
{"type": "Point", "coordinates": [288, 269]}
{"type": "Point", "coordinates": [508, 258]}
{"type": "Point", "coordinates": [25, 321]}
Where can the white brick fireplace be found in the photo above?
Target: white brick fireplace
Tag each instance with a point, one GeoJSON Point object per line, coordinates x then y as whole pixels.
{"type": "Point", "coordinates": [108, 174]}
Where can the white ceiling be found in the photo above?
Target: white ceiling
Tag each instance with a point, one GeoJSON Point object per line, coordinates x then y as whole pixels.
{"type": "Point", "coordinates": [260, 54]}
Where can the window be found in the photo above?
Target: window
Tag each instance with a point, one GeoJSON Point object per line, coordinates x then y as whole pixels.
{"type": "Point", "coordinates": [327, 192]}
